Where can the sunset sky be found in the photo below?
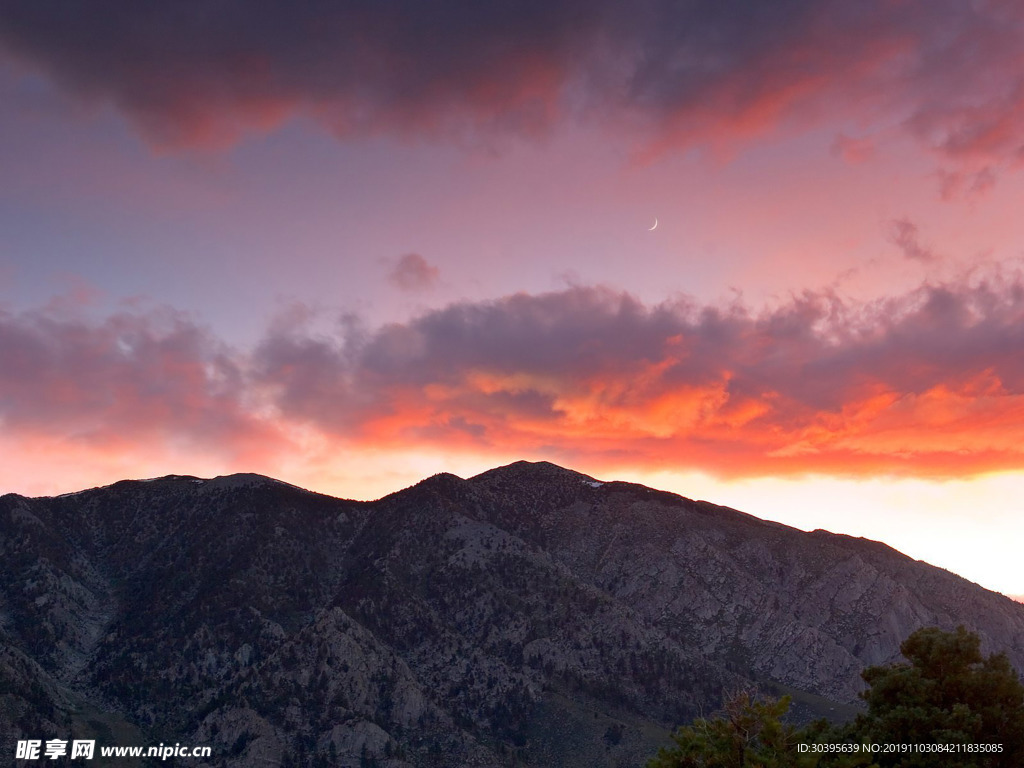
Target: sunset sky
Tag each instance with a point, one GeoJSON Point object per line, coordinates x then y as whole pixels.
{"type": "Point", "coordinates": [352, 244]}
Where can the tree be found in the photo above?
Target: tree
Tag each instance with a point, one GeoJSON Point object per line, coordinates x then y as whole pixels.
{"type": "Point", "coordinates": [947, 694]}
{"type": "Point", "coordinates": [748, 733]}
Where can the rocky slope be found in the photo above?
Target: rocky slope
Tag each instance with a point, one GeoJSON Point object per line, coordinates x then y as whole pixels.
{"type": "Point", "coordinates": [528, 616]}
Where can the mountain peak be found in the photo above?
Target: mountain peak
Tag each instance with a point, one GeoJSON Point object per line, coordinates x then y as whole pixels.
{"type": "Point", "coordinates": [533, 471]}
{"type": "Point", "coordinates": [247, 480]}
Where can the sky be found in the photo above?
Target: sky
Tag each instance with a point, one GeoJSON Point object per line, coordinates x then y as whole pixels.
{"type": "Point", "coordinates": [763, 254]}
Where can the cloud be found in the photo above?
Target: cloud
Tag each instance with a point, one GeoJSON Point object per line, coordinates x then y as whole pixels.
{"type": "Point", "coordinates": [967, 184]}
{"type": "Point", "coordinates": [930, 383]}
{"type": "Point", "coordinates": [925, 384]}
{"type": "Point", "coordinates": [414, 273]}
{"type": "Point", "coordinates": [853, 151]}
{"type": "Point", "coordinates": [132, 381]}
{"type": "Point", "coordinates": [679, 73]}
{"type": "Point", "coordinates": [903, 233]}
{"type": "Point", "coordinates": [196, 74]}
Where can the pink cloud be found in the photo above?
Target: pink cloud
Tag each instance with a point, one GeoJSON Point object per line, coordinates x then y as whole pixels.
{"type": "Point", "coordinates": [414, 273]}
{"type": "Point", "coordinates": [132, 379]}
{"type": "Point", "coordinates": [713, 74]}
{"type": "Point", "coordinates": [853, 151]}
{"type": "Point", "coordinates": [905, 236]}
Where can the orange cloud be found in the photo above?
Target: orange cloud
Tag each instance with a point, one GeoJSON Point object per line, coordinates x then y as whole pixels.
{"type": "Point", "coordinates": [925, 384]}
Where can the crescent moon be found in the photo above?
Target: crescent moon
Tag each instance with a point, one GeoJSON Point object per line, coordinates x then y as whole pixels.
{"type": "Point", "coordinates": [651, 229]}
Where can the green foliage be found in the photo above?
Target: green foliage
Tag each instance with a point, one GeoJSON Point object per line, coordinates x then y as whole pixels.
{"type": "Point", "coordinates": [947, 694]}
{"type": "Point", "coordinates": [749, 733]}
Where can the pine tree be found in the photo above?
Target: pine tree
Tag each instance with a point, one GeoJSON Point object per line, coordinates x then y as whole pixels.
{"type": "Point", "coordinates": [748, 733]}
{"type": "Point", "coordinates": [947, 694]}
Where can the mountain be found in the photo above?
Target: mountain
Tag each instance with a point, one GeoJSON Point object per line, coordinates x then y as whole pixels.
{"type": "Point", "coordinates": [530, 615]}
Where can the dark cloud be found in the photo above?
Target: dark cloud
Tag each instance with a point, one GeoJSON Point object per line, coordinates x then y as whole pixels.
{"type": "Point", "coordinates": [903, 233]}
{"type": "Point", "coordinates": [931, 382]}
{"type": "Point", "coordinates": [700, 71]}
{"type": "Point", "coordinates": [414, 273]}
{"type": "Point", "coordinates": [928, 383]}
{"type": "Point", "coordinates": [195, 71]}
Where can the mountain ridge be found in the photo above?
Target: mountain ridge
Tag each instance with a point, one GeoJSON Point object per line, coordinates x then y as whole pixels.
{"type": "Point", "coordinates": [242, 478]}
{"type": "Point", "coordinates": [523, 614]}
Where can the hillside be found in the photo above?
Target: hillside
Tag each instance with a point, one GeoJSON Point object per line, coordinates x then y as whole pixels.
{"type": "Point", "coordinates": [527, 616]}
